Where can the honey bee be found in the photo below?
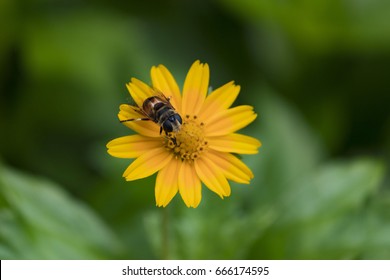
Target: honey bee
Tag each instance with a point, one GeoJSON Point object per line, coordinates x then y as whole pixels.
{"type": "Point", "coordinates": [159, 109]}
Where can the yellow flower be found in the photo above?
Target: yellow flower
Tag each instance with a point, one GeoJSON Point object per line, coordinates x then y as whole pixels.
{"type": "Point", "coordinates": [200, 152]}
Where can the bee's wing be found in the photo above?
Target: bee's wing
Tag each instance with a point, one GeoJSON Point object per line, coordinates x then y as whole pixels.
{"type": "Point", "coordinates": [138, 110]}
{"type": "Point", "coordinates": [163, 97]}
{"type": "Point", "coordinates": [139, 115]}
{"type": "Point", "coordinates": [142, 112]}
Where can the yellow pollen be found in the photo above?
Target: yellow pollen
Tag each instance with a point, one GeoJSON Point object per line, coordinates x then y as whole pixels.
{"type": "Point", "coordinates": [188, 143]}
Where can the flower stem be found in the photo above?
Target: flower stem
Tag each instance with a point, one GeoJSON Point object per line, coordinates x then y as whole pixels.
{"type": "Point", "coordinates": [165, 234]}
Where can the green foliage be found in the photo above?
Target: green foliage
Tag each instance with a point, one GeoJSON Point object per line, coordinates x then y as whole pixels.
{"type": "Point", "coordinates": [321, 25]}
{"type": "Point", "coordinates": [40, 221]}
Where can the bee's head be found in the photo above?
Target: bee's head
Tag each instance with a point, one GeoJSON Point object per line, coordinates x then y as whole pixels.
{"type": "Point", "coordinates": [172, 124]}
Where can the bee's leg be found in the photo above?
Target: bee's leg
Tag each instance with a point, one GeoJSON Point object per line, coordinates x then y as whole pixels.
{"type": "Point", "coordinates": [161, 130]}
{"type": "Point", "coordinates": [170, 136]}
{"type": "Point", "coordinates": [139, 119]}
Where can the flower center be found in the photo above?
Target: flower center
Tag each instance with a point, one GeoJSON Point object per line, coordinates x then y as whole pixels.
{"type": "Point", "coordinates": [188, 143]}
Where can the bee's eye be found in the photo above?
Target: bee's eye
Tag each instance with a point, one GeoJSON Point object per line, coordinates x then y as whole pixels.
{"type": "Point", "coordinates": [171, 118]}
{"type": "Point", "coordinates": [168, 126]}
{"type": "Point", "coordinates": [178, 118]}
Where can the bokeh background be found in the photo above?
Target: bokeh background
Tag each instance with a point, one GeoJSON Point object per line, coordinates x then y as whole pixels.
{"type": "Point", "coordinates": [317, 73]}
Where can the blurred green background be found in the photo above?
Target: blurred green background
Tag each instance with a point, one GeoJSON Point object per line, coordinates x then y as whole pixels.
{"type": "Point", "coordinates": [317, 73]}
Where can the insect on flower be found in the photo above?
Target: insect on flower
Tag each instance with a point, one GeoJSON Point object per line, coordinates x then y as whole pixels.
{"type": "Point", "coordinates": [201, 135]}
{"type": "Point", "coordinates": [159, 109]}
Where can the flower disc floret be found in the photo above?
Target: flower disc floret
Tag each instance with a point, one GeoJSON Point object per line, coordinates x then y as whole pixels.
{"type": "Point", "coordinates": [189, 143]}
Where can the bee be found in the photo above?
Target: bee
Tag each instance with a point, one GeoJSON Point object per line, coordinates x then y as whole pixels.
{"type": "Point", "coordinates": [159, 109]}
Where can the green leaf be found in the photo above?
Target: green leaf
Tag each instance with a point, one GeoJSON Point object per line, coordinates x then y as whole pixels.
{"type": "Point", "coordinates": [377, 225]}
{"type": "Point", "coordinates": [290, 148]}
{"type": "Point", "coordinates": [40, 221]}
{"type": "Point", "coordinates": [334, 188]}
{"type": "Point", "coordinates": [322, 215]}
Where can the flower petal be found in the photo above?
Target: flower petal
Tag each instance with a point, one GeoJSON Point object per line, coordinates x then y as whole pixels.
{"type": "Point", "coordinates": [139, 91]}
{"type": "Point", "coordinates": [232, 167]}
{"type": "Point", "coordinates": [230, 120]}
{"type": "Point", "coordinates": [212, 176]}
{"type": "Point", "coordinates": [132, 146]}
{"type": "Point", "coordinates": [195, 88]}
{"type": "Point", "coordinates": [220, 99]}
{"type": "Point", "coordinates": [167, 183]}
{"type": "Point", "coordinates": [189, 185]}
{"type": "Point", "coordinates": [146, 128]}
{"type": "Point", "coordinates": [235, 143]}
{"type": "Point", "coordinates": [147, 164]}
{"type": "Point", "coordinates": [163, 80]}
